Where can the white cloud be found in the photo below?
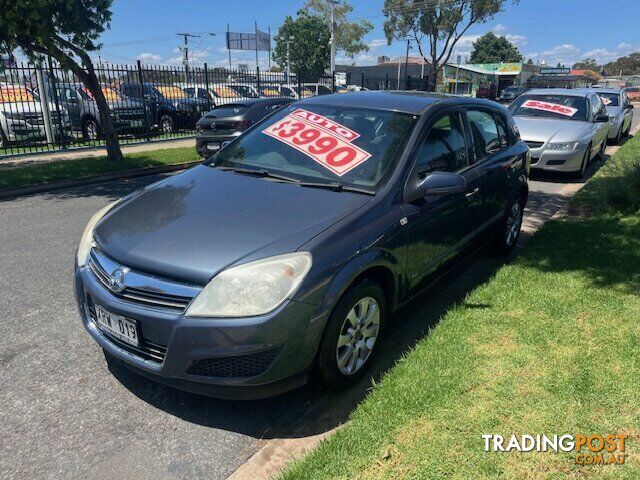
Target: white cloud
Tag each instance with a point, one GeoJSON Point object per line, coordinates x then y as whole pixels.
{"type": "Point", "coordinates": [376, 43]}
{"type": "Point", "coordinates": [499, 28]}
{"type": "Point", "coordinates": [467, 41]}
{"type": "Point", "coordinates": [149, 58]}
{"type": "Point", "coordinates": [568, 53]}
{"type": "Point", "coordinates": [518, 40]}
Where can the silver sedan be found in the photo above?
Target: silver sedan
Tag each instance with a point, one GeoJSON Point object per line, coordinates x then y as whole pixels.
{"type": "Point", "coordinates": [564, 129]}
{"type": "Point", "coordinates": [620, 112]}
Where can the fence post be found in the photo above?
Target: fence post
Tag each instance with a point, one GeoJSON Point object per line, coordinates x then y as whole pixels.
{"type": "Point", "coordinates": [44, 102]}
{"type": "Point", "coordinates": [258, 74]}
{"type": "Point", "coordinates": [408, 83]}
{"type": "Point", "coordinates": [386, 81]}
{"type": "Point", "coordinates": [63, 142]}
{"type": "Point", "coordinates": [362, 79]}
{"type": "Point", "coordinates": [333, 82]}
{"type": "Point", "coordinates": [206, 85]}
{"type": "Point", "coordinates": [144, 102]}
{"type": "Point", "coordinates": [299, 86]}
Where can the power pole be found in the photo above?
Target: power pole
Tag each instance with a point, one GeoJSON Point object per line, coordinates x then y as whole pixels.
{"type": "Point", "coordinates": [406, 66]}
{"type": "Point", "coordinates": [185, 53]}
{"type": "Point", "coordinates": [332, 29]}
{"type": "Point", "coordinates": [288, 42]}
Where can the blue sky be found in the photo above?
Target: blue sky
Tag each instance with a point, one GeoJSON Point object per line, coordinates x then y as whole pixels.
{"type": "Point", "coordinates": [551, 30]}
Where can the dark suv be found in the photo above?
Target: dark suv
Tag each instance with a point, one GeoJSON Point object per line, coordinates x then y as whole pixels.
{"type": "Point", "coordinates": [289, 249]}
{"type": "Point", "coordinates": [128, 115]}
{"type": "Point", "coordinates": [169, 106]}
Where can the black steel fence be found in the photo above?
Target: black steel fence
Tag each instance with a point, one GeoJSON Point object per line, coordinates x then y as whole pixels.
{"type": "Point", "coordinates": [45, 108]}
{"type": "Point", "coordinates": [387, 82]}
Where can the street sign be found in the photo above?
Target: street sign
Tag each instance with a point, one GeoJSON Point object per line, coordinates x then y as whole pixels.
{"type": "Point", "coordinates": [555, 71]}
{"type": "Point", "coordinates": [247, 41]}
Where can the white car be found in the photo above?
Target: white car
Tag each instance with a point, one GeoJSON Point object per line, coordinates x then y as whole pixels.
{"type": "Point", "coordinates": [620, 112]}
{"type": "Point", "coordinates": [21, 117]}
{"type": "Point", "coordinates": [216, 94]}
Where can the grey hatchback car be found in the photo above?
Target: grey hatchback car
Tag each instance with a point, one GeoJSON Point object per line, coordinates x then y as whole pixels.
{"type": "Point", "coordinates": [287, 252]}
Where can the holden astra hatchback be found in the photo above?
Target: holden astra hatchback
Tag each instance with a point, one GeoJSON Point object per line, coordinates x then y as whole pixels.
{"type": "Point", "coordinates": [287, 252]}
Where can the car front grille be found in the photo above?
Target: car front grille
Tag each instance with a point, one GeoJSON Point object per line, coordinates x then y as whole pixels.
{"type": "Point", "coordinates": [147, 350]}
{"type": "Point", "coordinates": [130, 114]}
{"type": "Point", "coordinates": [532, 144]}
{"type": "Point", "coordinates": [240, 366]}
{"type": "Point", "coordinates": [140, 288]}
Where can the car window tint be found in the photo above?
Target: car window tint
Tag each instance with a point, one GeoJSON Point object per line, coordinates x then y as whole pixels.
{"type": "Point", "coordinates": [485, 134]}
{"type": "Point", "coordinates": [444, 149]}
{"type": "Point", "coordinates": [502, 131]}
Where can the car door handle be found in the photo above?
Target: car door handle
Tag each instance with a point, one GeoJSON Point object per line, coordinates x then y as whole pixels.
{"type": "Point", "coordinates": [472, 192]}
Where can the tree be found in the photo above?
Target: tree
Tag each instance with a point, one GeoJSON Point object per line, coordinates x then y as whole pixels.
{"type": "Point", "coordinates": [587, 64]}
{"type": "Point", "coordinates": [490, 48]}
{"type": "Point", "coordinates": [309, 51]}
{"type": "Point", "coordinates": [348, 35]}
{"type": "Point", "coordinates": [65, 31]}
{"type": "Point", "coordinates": [439, 23]}
{"type": "Point", "coordinates": [530, 61]}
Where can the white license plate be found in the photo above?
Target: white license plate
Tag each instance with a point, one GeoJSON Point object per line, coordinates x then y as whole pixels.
{"type": "Point", "coordinates": [117, 326]}
{"type": "Point", "coordinates": [213, 146]}
{"type": "Point", "coordinates": [136, 123]}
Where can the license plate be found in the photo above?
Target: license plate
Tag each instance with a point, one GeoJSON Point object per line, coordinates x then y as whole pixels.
{"type": "Point", "coordinates": [117, 326]}
{"type": "Point", "coordinates": [136, 123]}
{"type": "Point", "coordinates": [213, 146]}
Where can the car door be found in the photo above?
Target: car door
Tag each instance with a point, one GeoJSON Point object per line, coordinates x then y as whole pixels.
{"type": "Point", "coordinates": [492, 158]}
{"type": "Point", "coordinates": [72, 103]}
{"type": "Point", "coordinates": [440, 226]}
{"type": "Point", "coordinates": [601, 129]}
{"type": "Point", "coordinates": [628, 111]}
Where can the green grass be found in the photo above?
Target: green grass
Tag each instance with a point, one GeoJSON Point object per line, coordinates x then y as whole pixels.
{"type": "Point", "coordinates": [85, 167]}
{"type": "Point", "coordinates": [550, 345]}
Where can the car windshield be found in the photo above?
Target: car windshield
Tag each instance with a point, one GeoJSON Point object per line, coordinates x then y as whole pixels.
{"type": "Point", "coordinates": [609, 99]}
{"type": "Point", "coordinates": [12, 94]}
{"type": "Point", "coordinates": [171, 92]}
{"type": "Point", "coordinates": [227, 110]}
{"type": "Point", "coordinates": [269, 91]}
{"type": "Point", "coordinates": [352, 147]}
{"type": "Point", "coordinates": [565, 107]}
{"type": "Point", "coordinates": [244, 91]}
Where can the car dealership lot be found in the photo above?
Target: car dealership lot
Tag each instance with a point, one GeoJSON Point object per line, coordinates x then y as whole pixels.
{"type": "Point", "coordinates": [67, 416]}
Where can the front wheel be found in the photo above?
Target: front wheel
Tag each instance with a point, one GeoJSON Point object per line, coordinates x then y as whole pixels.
{"type": "Point", "coordinates": [90, 129]}
{"type": "Point", "coordinates": [352, 335]}
{"type": "Point", "coordinates": [508, 232]}
{"type": "Point", "coordinates": [166, 124]}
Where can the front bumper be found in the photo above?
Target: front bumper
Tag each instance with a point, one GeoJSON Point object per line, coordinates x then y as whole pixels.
{"type": "Point", "coordinates": [557, 160]}
{"type": "Point", "coordinates": [289, 336]}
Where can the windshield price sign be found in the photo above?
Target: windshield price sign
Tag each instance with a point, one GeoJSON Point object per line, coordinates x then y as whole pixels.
{"type": "Point", "coordinates": [325, 141]}
{"type": "Point", "coordinates": [550, 107]}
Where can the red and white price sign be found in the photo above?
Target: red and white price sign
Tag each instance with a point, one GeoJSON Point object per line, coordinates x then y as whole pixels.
{"type": "Point", "coordinates": [324, 140]}
{"type": "Point", "coordinates": [550, 107]}
{"type": "Point", "coordinates": [605, 100]}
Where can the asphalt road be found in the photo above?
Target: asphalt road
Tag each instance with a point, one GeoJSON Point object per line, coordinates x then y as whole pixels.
{"type": "Point", "coordinates": [65, 413]}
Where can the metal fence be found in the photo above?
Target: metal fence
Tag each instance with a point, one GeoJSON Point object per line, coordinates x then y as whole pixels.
{"type": "Point", "coordinates": [45, 108]}
{"type": "Point", "coordinates": [387, 82]}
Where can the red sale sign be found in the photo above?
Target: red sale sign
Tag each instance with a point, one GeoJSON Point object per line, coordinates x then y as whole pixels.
{"type": "Point", "coordinates": [325, 141]}
{"type": "Point", "coordinates": [550, 107]}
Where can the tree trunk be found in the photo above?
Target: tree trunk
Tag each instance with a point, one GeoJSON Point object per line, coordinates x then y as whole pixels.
{"type": "Point", "coordinates": [109, 133]}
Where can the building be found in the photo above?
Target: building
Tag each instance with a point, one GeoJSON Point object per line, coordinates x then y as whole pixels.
{"type": "Point", "coordinates": [562, 77]}
{"type": "Point", "coordinates": [489, 78]}
{"type": "Point", "coordinates": [400, 73]}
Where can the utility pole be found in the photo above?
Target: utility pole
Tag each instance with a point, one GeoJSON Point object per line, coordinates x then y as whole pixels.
{"type": "Point", "coordinates": [332, 29]}
{"type": "Point", "coordinates": [288, 42]}
{"type": "Point", "coordinates": [458, 58]}
{"type": "Point", "coordinates": [185, 53]}
{"type": "Point", "coordinates": [406, 65]}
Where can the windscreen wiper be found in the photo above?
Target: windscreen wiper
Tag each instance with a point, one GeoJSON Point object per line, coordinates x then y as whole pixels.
{"type": "Point", "coordinates": [337, 187]}
{"type": "Point", "coordinates": [260, 172]}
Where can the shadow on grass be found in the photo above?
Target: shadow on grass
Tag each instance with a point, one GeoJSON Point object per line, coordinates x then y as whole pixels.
{"type": "Point", "coordinates": [311, 410]}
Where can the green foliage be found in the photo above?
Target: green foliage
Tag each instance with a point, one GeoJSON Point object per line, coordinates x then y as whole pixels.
{"type": "Point", "coordinates": [310, 48]}
{"type": "Point", "coordinates": [436, 26]}
{"type": "Point", "coordinates": [348, 35]}
{"type": "Point", "coordinates": [587, 64]}
{"type": "Point", "coordinates": [490, 48]}
{"type": "Point", "coordinates": [628, 65]}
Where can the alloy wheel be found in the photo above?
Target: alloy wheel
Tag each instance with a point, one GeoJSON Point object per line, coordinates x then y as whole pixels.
{"type": "Point", "coordinates": [358, 336]}
{"type": "Point", "coordinates": [514, 221]}
{"type": "Point", "coordinates": [166, 125]}
{"type": "Point", "coordinates": [91, 129]}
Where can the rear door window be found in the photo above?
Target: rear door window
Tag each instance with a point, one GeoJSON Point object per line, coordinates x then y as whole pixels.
{"type": "Point", "coordinates": [228, 110]}
{"type": "Point", "coordinates": [444, 149]}
{"type": "Point", "coordinates": [484, 132]}
{"type": "Point", "coordinates": [502, 131]}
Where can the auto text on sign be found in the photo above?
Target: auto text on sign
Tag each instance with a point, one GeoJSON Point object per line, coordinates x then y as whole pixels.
{"type": "Point", "coordinates": [550, 107]}
{"type": "Point", "coordinates": [325, 141]}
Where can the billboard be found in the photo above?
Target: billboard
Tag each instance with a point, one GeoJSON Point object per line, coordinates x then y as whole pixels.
{"type": "Point", "coordinates": [260, 41]}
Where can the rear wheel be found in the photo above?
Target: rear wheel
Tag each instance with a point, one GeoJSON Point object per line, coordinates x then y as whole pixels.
{"type": "Point", "coordinates": [166, 124]}
{"type": "Point", "coordinates": [508, 232]}
{"type": "Point", "coordinates": [352, 335]}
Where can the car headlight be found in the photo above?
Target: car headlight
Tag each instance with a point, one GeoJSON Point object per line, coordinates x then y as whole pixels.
{"type": "Point", "coordinates": [564, 146]}
{"type": "Point", "coordinates": [86, 241]}
{"type": "Point", "coordinates": [255, 288]}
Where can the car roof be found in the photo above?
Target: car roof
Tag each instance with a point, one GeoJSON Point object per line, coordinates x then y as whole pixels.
{"type": "Point", "coordinates": [571, 92]}
{"type": "Point", "coordinates": [250, 102]}
{"type": "Point", "coordinates": [412, 102]}
{"type": "Point", "coordinates": [606, 90]}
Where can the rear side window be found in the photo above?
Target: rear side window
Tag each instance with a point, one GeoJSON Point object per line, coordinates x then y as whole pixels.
{"type": "Point", "coordinates": [228, 110]}
{"type": "Point", "coordinates": [502, 131]}
{"type": "Point", "coordinates": [444, 149]}
{"type": "Point", "coordinates": [484, 132]}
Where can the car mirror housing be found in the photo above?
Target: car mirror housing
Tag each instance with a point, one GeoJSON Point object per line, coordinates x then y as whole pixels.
{"type": "Point", "coordinates": [602, 117]}
{"type": "Point", "coordinates": [436, 183]}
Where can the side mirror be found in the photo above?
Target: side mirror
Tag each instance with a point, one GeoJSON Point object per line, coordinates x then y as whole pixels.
{"type": "Point", "coordinates": [602, 117]}
{"type": "Point", "coordinates": [436, 183]}
{"type": "Point", "coordinates": [629, 106]}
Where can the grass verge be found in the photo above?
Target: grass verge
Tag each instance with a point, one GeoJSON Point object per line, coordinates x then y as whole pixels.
{"type": "Point", "coordinates": [86, 167]}
{"type": "Point", "coordinates": [548, 346]}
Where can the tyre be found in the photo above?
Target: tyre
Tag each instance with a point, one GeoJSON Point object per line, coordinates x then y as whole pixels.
{"type": "Point", "coordinates": [603, 147]}
{"type": "Point", "coordinates": [508, 231]}
{"type": "Point", "coordinates": [585, 163]}
{"type": "Point", "coordinates": [90, 129]}
{"type": "Point", "coordinates": [352, 335]}
{"type": "Point", "coordinates": [166, 124]}
{"type": "Point", "coordinates": [619, 137]}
